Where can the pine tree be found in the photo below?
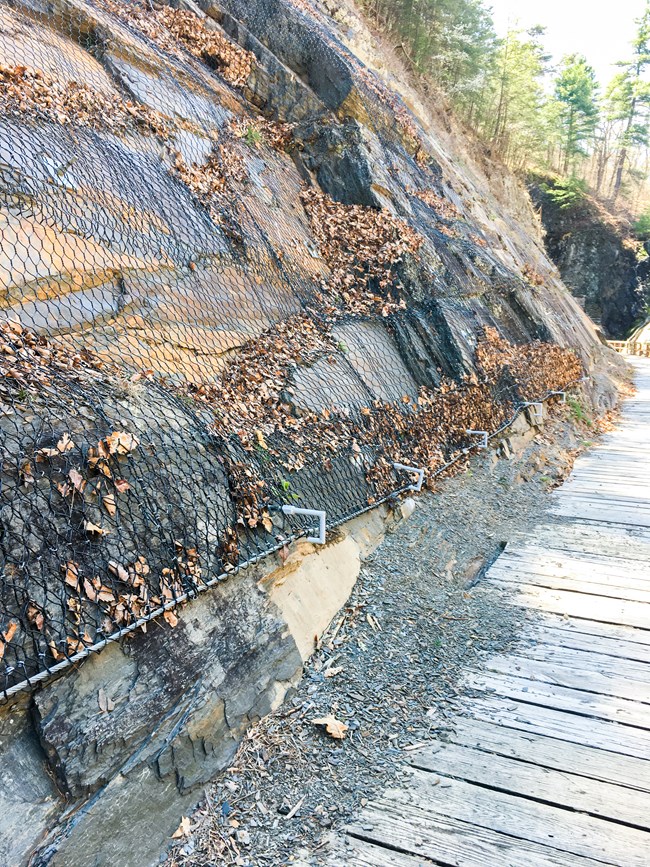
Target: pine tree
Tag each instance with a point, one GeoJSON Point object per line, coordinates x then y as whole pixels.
{"type": "Point", "coordinates": [575, 91]}
{"type": "Point", "coordinates": [629, 99]}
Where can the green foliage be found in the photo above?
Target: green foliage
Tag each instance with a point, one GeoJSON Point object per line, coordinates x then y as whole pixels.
{"type": "Point", "coordinates": [253, 137]}
{"type": "Point", "coordinates": [529, 114]}
{"type": "Point", "coordinates": [575, 91]}
{"type": "Point", "coordinates": [578, 411]}
{"type": "Point", "coordinates": [566, 193]}
{"type": "Point", "coordinates": [642, 225]}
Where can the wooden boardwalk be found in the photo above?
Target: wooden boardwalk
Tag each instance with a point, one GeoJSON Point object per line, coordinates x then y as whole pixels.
{"type": "Point", "coordinates": [551, 763]}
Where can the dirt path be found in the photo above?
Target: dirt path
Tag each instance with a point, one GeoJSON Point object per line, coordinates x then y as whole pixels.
{"type": "Point", "coordinates": [390, 667]}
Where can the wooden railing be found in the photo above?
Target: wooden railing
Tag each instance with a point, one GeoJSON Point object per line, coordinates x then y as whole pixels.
{"type": "Point", "coordinates": [630, 347]}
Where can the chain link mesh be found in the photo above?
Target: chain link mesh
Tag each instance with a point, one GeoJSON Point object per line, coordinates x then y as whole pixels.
{"type": "Point", "coordinates": [194, 332]}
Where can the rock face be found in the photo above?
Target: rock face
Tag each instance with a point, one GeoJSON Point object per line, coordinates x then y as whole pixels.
{"type": "Point", "coordinates": [598, 260]}
{"type": "Point", "coordinates": [187, 354]}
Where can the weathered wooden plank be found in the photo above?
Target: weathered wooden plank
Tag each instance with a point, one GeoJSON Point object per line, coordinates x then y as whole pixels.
{"type": "Point", "coordinates": [545, 561]}
{"type": "Point", "coordinates": [601, 539]}
{"type": "Point", "coordinates": [588, 662]}
{"type": "Point", "coordinates": [552, 753]}
{"type": "Point", "coordinates": [594, 512]}
{"type": "Point", "coordinates": [570, 832]}
{"type": "Point", "coordinates": [532, 781]}
{"type": "Point", "coordinates": [584, 605]}
{"type": "Point", "coordinates": [601, 500]}
{"type": "Point", "coordinates": [450, 842]}
{"type": "Point", "coordinates": [570, 638]}
{"type": "Point", "coordinates": [546, 694]}
{"type": "Point", "coordinates": [638, 511]}
{"type": "Point", "coordinates": [361, 853]}
{"type": "Point", "coordinates": [509, 576]}
{"type": "Point", "coordinates": [627, 634]}
{"type": "Point", "coordinates": [586, 678]}
{"type": "Point", "coordinates": [573, 728]}
{"type": "Point", "coordinates": [608, 489]}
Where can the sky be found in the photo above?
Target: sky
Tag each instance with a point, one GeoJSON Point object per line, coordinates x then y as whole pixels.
{"type": "Point", "coordinates": [601, 31]}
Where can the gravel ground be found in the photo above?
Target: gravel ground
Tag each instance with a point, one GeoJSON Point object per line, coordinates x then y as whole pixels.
{"type": "Point", "coordinates": [389, 667]}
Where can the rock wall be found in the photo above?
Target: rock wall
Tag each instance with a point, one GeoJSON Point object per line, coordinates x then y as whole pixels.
{"type": "Point", "coordinates": [98, 766]}
{"type": "Point", "coordinates": [154, 230]}
{"type": "Point", "coordinates": [599, 260]}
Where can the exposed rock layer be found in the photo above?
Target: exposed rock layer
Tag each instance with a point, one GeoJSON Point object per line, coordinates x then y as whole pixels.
{"type": "Point", "coordinates": [115, 241]}
{"type": "Point", "coordinates": [598, 259]}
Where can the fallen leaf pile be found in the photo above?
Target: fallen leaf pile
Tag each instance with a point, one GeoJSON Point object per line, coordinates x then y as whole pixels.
{"type": "Point", "coordinates": [126, 594]}
{"type": "Point", "coordinates": [24, 90]}
{"type": "Point", "coordinates": [233, 62]}
{"type": "Point", "coordinates": [277, 135]}
{"type": "Point", "coordinates": [212, 180]}
{"type": "Point", "coordinates": [176, 29]}
{"type": "Point", "coordinates": [252, 402]}
{"type": "Point", "coordinates": [363, 247]}
{"type": "Point", "coordinates": [29, 360]}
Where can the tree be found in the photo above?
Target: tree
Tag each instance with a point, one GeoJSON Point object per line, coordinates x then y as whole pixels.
{"type": "Point", "coordinates": [575, 91]}
{"type": "Point", "coordinates": [515, 119]}
{"type": "Point", "coordinates": [629, 99]}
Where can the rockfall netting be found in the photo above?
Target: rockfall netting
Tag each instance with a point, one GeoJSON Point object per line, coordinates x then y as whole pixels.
{"type": "Point", "coordinates": [199, 327]}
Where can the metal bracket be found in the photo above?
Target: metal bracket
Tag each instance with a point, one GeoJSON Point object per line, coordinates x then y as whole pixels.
{"type": "Point", "coordinates": [483, 444]}
{"type": "Point", "coordinates": [310, 513]}
{"type": "Point", "coordinates": [539, 409]}
{"type": "Point", "coordinates": [561, 394]}
{"type": "Point", "coordinates": [420, 475]}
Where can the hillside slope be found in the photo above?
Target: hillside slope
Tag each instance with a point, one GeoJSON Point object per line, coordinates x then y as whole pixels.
{"type": "Point", "coordinates": [598, 257]}
{"type": "Point", "coordinates": [243, 267]}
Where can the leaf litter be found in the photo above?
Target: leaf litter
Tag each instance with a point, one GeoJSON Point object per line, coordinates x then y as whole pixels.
{"type": "Point", "coordinates": [398, 686]}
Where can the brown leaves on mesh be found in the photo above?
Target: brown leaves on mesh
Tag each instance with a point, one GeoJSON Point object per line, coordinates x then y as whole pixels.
{"type": "Point", "coordinates": [174, 30]}
{"type": "Point", "coordinates": [363, 247]}
{"type": "Point", "coordinates": [29, 360]}
{"type": "Point", "coordinates": [24, 90]}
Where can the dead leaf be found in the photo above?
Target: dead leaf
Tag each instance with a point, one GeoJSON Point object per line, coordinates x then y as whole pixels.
{"type": "Point", "coordinates": [35, 615]}
{"type": "Point", "coordinates": [7, 635]}
{"type": "Point", "coordinates": [183, 829]}
{"type": "Point", "coordinates": [109, 504]}
{"type": "Point", "coordinates": [332, 672]}
{"type": "Point", "coordinates": [121, 485]}
{"type": "Point", "coordinates": [89, 527]}
{"type": "Point", "coordinates": [71, 571]}
{"type": "Point", "coordinates": [171, 618]}
{"type": "Point", "coordinates": [77, 480]}
{"type": "Point", "coordinates": [119, 570]}
{"type": "Point", "coordinates": [335, 728]}
{"type": "Point", "coordinates": [121, 442]}
{"type": "Point", "coordinates": [65, 443]}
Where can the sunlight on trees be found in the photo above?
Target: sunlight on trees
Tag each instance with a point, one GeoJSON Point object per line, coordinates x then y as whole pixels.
{"type": "Point", "coordinates": [533, 111]}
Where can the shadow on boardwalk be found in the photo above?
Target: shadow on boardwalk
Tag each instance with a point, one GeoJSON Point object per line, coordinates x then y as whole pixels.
{"type": "Point", "coordinates": [548, 762]}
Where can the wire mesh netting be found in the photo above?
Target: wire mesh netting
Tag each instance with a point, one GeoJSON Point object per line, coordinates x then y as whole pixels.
{"type": "Point", "coordinates": [206, 315]}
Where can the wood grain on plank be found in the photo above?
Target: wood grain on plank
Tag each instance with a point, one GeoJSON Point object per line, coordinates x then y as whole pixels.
{"type": "Point", "coordinates": [529, 780]}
